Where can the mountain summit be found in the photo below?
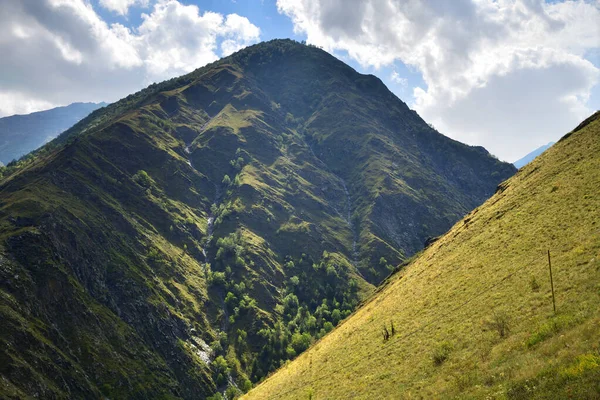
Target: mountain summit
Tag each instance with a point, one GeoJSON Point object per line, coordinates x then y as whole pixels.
{"type": "Point", "coordinates": [194, 236]}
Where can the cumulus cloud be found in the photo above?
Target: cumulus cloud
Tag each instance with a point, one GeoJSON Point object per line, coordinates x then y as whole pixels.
{"type": "Point", "coordinates": [121, 6]}
{"type": "Point", "coordinates": [59, 51]}
{"type": "Point", "coordinates": [506, 74]}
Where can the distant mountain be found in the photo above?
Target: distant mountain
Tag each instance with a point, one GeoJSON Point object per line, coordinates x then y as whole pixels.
{"type": "Point", "coordinates": [20, 134]}
{"type": "Point", "coordinates": [472, 316]}
{"type": "Point", "coordinates": [531, 156]}
{"type": "Point", "coordinates": [196, 235]}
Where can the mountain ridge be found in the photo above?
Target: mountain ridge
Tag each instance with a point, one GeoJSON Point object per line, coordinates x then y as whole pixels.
{"type": "Point", "coordinates": [23, 133]}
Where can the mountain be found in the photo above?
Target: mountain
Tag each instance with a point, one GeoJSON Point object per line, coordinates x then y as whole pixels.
{"type": "Point", "coordinates": [20, 134]}
{"type": "Point", "coordinates": [531, 156]}
{"type": "Point", "coordinates": [194, 236]}
{"type": "Point", "coordinates": [472, 315]}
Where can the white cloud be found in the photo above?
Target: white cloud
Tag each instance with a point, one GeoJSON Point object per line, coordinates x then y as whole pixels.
{"type": "Point", "coordinates": [59, 51]}
{"type": "Point", "coordinates": [122, 6]}
{"type": "Point", "coordinates": [239, 33]}
{"type": "Point", "coordinates": [396, 78]}
{"type": "Point", "coordinates": [479, 59]}
{"type": "Point", "coordinates": [17, 103]}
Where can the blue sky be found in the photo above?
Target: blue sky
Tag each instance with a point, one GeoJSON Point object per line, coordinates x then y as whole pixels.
{"type": "Point", "coordinates": [510, 75]}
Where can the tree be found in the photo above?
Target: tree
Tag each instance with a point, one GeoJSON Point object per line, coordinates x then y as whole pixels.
{"type": "Point", "coordinates": [226, 180]}
{"type": "Point", "coordinates": [336, 316]}
{"type": "Point", "coordinates": [143, 179]}
{"type": "Point", "coordinates": [295, 281]}
{"type": "Point", "coordinates": [290, 302]}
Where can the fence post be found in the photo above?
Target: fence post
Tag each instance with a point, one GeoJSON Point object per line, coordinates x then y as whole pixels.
{"type": "Point", "coordinates": [551, 282]}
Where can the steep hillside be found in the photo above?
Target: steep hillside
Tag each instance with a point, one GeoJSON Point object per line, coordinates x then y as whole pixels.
{"type": "Point", "coordinates": [194, 236]}
{"type": "Point", "coordinates": [20, 134]}
{"type": "Point", "coordinates": [472, 315]}
{"type": "Point", "coordinates": [531, 156]}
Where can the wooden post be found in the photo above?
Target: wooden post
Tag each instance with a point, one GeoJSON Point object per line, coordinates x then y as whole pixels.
{"type": "Point", "coordinates": [551, 282]}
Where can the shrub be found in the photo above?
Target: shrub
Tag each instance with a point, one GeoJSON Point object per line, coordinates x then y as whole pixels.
{"type": "Point", "coordinates": [217, 278]}
{"type": "Point", "coordinates": [220, 365]}
{"type": "Point", "coordinates": [549, 329]}
{"type": "Point", "coordinates": [143, 179]}
{"type": "Point", "coordinates": [583, 363]}
{"type": "Point", "coordinates": [499, 323]}
{"type": "Point", "coordinates": [385, 333]}
{"type": "Point", "coordinates": [441, 353]}
{"type": "Point", "coordinates": [535, 286]}
{"type": "Point", "coordinates": [245, 384]}
{"type": "Point", "coordinates": [232, 392]}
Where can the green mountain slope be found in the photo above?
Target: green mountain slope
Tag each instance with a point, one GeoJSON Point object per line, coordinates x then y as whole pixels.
{"type": "Point", "coordinates": [20, 134]}
{"type": "Point", "coordinates": [472, 315]}
{"type": "Point", "coordinates": [194, 236]}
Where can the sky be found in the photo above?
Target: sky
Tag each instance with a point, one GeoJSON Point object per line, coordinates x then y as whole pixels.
{"type": "Point", "coordinates": [509, 75]}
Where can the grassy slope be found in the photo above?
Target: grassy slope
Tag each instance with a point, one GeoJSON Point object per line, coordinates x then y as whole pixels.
{"type": "Point", "coordinates": [447, 297]}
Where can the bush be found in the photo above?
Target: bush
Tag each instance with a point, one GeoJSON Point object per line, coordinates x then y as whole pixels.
{"type": "Point", "coordinates": [143, 179]}
{"type": "Point", "coordinates": [232, 392]}
{"type": "Point", "coordinates": [217, 278]}
{"type": "Point", "coordinates": [220, 364]}
{"type": "Point", "coordinates": [441, 353]}
{"type": "Point", "coordinates": [549, 329]}
{"type": "Point", "coordinates": [535, 286]}
{"type": "Point", "coordinates": [245, 385]}
{"type": "Point", "coordinates": [499, 323]}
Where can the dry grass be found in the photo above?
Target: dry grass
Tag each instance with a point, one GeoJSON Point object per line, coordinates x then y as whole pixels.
{"type": "Point", "coordinates": [479, 271]}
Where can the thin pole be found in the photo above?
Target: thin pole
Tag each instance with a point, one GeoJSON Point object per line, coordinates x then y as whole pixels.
{"type": "Point", "coordinates": [551, 282]}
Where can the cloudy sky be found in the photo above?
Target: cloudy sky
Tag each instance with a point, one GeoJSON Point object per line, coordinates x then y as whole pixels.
{"type": "Point", "coordinates": [510, 75]}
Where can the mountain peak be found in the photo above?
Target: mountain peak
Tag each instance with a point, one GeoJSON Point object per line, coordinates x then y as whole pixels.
{"type": "Point", "coordinates": [234, 214]}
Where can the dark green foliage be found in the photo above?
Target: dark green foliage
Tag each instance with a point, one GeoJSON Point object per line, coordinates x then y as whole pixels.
{"type": "Point", "coordinates": [306, 310]}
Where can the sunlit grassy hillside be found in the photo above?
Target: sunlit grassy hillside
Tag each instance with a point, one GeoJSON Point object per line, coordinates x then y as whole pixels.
{"type": "Point", "coordinates": [473, 313]}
